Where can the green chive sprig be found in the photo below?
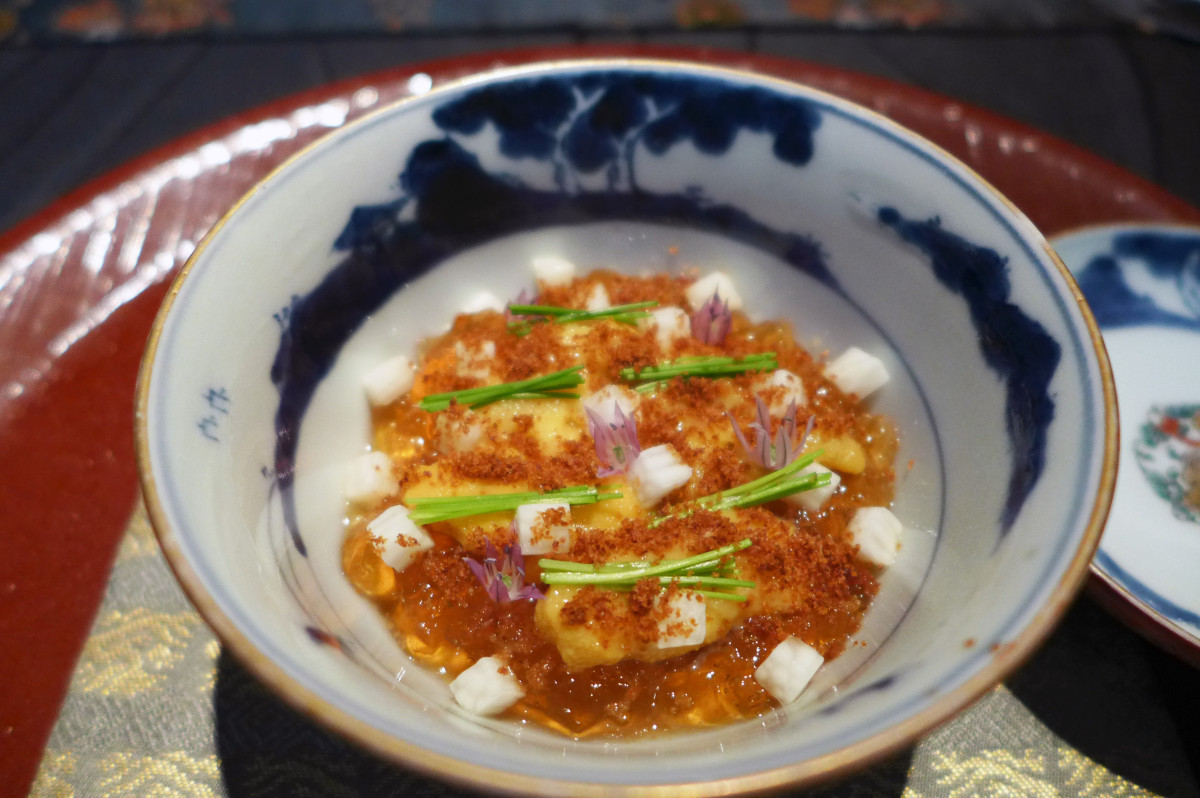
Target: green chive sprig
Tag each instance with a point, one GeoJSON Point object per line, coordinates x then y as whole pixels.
{"type": "Point", "coordinates": [625, 314]}
{"type": "Point", "coordinates": [771, 486]}
{"type": "Point", "coordinates": [767, 488]}
{"type": "Point", "coordinates": [698, 366]}
{"type": "Point", "coordinates": [432, 509]}
{"type": "Point", "coordinates": [547, 386]}
{"type": "Point", "coordinates": [709, 569]}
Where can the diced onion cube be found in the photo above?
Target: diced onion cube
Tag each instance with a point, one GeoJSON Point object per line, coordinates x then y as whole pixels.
{"type": "Point", "coordinates": [402, 539]}
{"type": "Point", "coordinates": [553, 270]}
{"type": "Point", "coordinates": [669, 324]}
{"type": "Point", "coordinates": [481, 301]}
{"type": "Point", "coordinates": [598, 299]}
{"type": "Point", "coordinates": [877, 534]}
{"type": "Point", "coordinates": [536, 531]}
{"type": "Point", "coordinates": [857, 372]}
{"type": "Point", "coordinates": [388, 381]}
{"type": "Point", "coordinates": [370, 478]}
{"type": "Point", "coordinates": [702, 290]}
{"type": "Point", "coordinates": [457, 435]}
{"type": "Point", "coordinates": [813, 500]}
{"type": "Point", "coordinates": [788, 669]}
{"type": "Point", "coordinates": [683, 620]}
{"type": "Point", "coordinates": [487, 687]}
{"type": "Point", "coordinates": [475, 362]}
{"type": "Point", "coordinates": [602, 401]}
{"type": "Point", "coordinates": [793, 390]}
{"type": "Point", "coordinates": [656, 472]}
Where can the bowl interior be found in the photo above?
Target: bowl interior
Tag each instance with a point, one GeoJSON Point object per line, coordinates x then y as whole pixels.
{"type": "Point", "coordinates": [853, 229]}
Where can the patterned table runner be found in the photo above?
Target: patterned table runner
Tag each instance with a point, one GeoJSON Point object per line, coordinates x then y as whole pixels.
{"type": "Point", "coordinates": [155, 709]}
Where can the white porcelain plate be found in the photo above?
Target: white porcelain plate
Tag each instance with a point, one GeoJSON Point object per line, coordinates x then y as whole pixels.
{"type": "Point", "coordinates": [1143, 283]}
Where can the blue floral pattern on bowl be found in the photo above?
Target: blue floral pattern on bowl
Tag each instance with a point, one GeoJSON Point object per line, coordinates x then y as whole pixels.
{"type": "Point", "coordinates": [601, 124]}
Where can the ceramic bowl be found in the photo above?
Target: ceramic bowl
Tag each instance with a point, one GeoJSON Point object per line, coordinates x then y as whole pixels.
{"type": "Point", "coordinates": [826, 214]}
{"type": "Point", "coordinates": [1143, 283]}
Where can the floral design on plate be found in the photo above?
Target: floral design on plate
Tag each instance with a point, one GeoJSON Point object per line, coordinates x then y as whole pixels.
{"type": "Point", "coordinates": [1168, 451]}
{"type": "Point", "coordinates": [1143, 284]}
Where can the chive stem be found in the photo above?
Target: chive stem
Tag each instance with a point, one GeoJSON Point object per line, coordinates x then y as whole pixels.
{"type": "Point", "coordinates": [557, 573]}
{"type": "Point", "coordinates": [547, 386]}
{"type": "Point", "coordinates": [432, 509]}
{"type": "Point", "coordinates": [770, 486]}
{"type": "Point", "coordinates": [700, 366]}
{"type": "Point", "coordinates": [626, 314]}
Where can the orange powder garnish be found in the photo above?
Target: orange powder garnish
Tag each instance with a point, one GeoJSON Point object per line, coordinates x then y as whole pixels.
{"type": "Point", "coordinates": [809, 582]}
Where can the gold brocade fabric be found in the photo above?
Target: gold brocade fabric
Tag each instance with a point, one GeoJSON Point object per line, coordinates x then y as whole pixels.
{"type": "Point", "coordinates": [154, 710]}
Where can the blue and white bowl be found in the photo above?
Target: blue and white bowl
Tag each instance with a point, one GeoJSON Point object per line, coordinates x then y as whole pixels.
{"type": "Point", "coordinates": [856, 230]}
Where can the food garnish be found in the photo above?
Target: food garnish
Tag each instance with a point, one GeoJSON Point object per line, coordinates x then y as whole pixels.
{"type": "Point", "coordinates": [432, 509]}
{"type": "Point", "coordinates": [529, 315]}
{"type": "Point", "coordinates": [525, 297]}
{"type": "Point", "coordinates": [705, 570]}
{"type": "Point", "coordinates": [718, 283]}
{"type": "Point", "coordinates": [697, 366]}
{"type": "Point", "coordinates": [590, 643]}
{"type": "Point", "coordinates": [786, 447]}
{"type": "Point", "coordinates": [769, 487]}
{"type": "Point", "coordinates": [657, 472]}
{"type": "Point", "coordinates": [712, 320]}
{"type": "Point", "coordinates": [547, 386]}
{"type": "Point", "coordinates": [857, 372]}
{"type": "Point", "coordinates": [503, 578]}
{"type": "Point", "coordinates": [616, 441]}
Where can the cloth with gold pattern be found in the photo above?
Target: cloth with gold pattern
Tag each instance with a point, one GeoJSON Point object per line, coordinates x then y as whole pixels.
{"type": "Point", "coordinates": [156, 709]}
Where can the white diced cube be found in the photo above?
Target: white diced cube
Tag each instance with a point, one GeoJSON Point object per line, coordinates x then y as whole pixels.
{"type": "Point", "coordinates": [656, 472]}
{"type": "Point", "coordinates": [483, 300]}
{"type": "Point", "coordinates": [370, 478]}
{"type": "Point", "coordinates": [458, 434]}
{"type": "Point", "coordinates": [538, 532]}
{"type": "Point", "coordinates": [669, 325]}
{"type": "Point", "coordinates": [388, 381]}
{"type": "Point", "coordinates": [702, 290]}
{"type": "Point", "coordinates": [877, 534]}
{"type": "Point", "coordinates": [598, 299]}
{"type": "Point", "coordinates": [813, 500]}
{"type": "Point", "coordinates": [553, 270]}
{"type": "Point", "coordinates": [402, 540]}
{"type": "Point", "coordinates": [793, 390]}
{"type": "Point", "coordinates": [487, 687]}
{"type": "Point", "coordinates": [602, 401]}
{"type": "Point", "coordinates": [683, 620]}
{"type": "Point", "coordinates": [788, 669]}
{"type": "Point", "coordinates": [475, 362]}
{"type": "Point", "coordinates": [857, 372]}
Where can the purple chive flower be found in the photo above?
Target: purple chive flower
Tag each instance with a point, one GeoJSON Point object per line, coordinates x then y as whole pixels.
{"type": "Point", "coordinates": [504, 579]}
{"type": "Point", "coordinates": [711, 321]}
{"type": "Point", "coordinates": [526, 297]}
{"type": "Point", "coordinates": [616, 441]}
{"type": "Point", "coordinates": [786, 447]}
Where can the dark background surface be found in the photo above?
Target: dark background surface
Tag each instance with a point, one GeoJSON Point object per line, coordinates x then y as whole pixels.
{"type": "Point", "coordinates": [70, 112]}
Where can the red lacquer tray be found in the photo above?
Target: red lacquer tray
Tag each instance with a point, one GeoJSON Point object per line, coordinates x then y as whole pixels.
{"type": "Point", "coordinates": [81, 281]}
